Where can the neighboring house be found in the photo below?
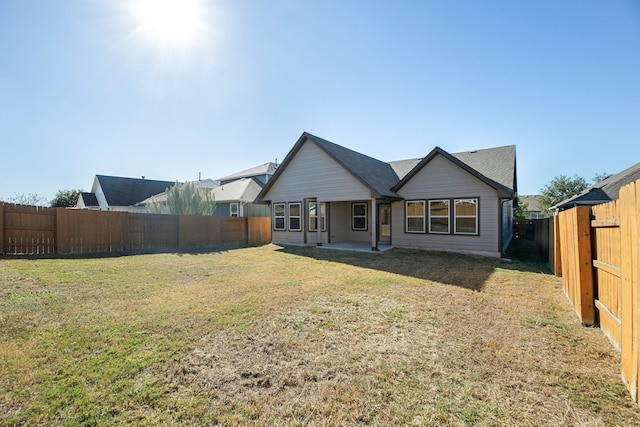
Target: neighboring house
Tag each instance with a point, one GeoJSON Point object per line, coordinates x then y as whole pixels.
{"type": "Point", "coordinates": [207, 184]}
{"type": "Point", "coordinates": [234, 194]}
{"type": "Point", "coordinates": [87, 201]}
{"type": "Point", "coordinates": [236, 198]}
{"type": "Point", "coordinates": [114, 193]}
{"type": "Point", "coordinates": [324, 193]}
{"type": "Point", "coordinates": [533, 210]}
{"type": "Point", "coordinates": [261, 174]}
{"type": "Point", "coordinates": [604, 191]}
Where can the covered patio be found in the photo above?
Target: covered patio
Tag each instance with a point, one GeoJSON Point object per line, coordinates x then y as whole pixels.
{"type": "Point", "coordinates": [355, 246]}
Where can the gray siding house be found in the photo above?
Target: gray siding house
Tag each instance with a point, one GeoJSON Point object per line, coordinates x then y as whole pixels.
{"type": "Point", "coordinates": [324, 193]}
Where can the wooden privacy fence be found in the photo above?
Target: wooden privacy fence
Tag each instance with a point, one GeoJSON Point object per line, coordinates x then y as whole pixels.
{"type": "Point", "coordinates": [598, 257]}
{"type": "Point", "coordinates": [538, 230]}
{"type": "Point", "coordinates": [31, 230]}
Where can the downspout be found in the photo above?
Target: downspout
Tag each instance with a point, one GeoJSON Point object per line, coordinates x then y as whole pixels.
{"type": "Point", "coordinates": [374, 225]}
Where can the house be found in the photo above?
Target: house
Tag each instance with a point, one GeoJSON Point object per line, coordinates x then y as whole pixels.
{"type": "Point", "coordinates": [236, 198]}
{"type": "Point", "coordinates": [116, 193]}
{"type": "Point", "coordinates": [604, 191]}
{"type": "Point", "coordinates": [234, 194]}
{"type": "Point", "coordinates": [533, 210]}
{"type": "Point", "coordinates": [261, 174]}
{"type": "Point", "coordinates": [324, 193]}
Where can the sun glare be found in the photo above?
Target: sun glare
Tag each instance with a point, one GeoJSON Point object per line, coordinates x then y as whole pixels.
{"type": "Point", "coordinates": [171, 23]}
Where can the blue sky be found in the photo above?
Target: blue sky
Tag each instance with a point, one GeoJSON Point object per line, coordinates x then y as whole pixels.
{"type": "Point", "coordinates": [85, 91]}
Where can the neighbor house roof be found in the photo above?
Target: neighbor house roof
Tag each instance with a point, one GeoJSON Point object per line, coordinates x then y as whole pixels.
{"type": "Point", "coordinates": [162, 197]}
{"type": "Point", "coordinates": [241, 190]}
{"type": "Point", "coordinates": [604, 191]}
{"type": "Point", "coordinates": [403, 167]}
{"type": "Point", "coordinates": [532, 203]}
{"type": "Point", "coordinates": [120, 191]}
{"type": "Point", "coordinates": [89, 199]}
{"type": "Point", "coordinates": [268, 168]}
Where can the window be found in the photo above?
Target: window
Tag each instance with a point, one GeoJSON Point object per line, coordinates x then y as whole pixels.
{"type": "Point", "coordinates": [439, 216]}
{"type": "Point", "coordinates": [359, 221]}
{"type": "Point", "coordinates": [466, 216]}
{"type": "Point", "coordinates": [313, 216]}
{"type": "Point", "coordinates": [278, 216]}
{"type": "Point", "coordinates": [234, 209]}
{"type": "Point", "coordinates": [415, 216]}
{"type": "Point", "coordinates": [294, 217]}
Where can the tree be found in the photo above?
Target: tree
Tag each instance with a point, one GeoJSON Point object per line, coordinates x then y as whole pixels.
{"type": "Point", "coordinates": [65, 198]}
{"type": "Point", "coordinates": [185, 199]}
{"type": "Point", "coordinates": [31, 199]}
{"type": "Point", "coordinates": [520, 211]}
{"type": "Point", "coordinates": [600, 176]}
{"type": "Point", "coordinates": [560, 188]}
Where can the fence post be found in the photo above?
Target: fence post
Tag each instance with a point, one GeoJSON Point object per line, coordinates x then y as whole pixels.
{"type": "Point", "coordinates": [585, 263]}
{"type": "Point", "coordinates": [629, 207]}
{"type": "Point", "coordinates": [556, 247]}
{"type": "Point", "coordinates": [1, 228]}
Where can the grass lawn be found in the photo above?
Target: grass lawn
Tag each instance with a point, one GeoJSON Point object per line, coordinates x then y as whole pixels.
{"type": "Point", "coordinates": [299, 336]}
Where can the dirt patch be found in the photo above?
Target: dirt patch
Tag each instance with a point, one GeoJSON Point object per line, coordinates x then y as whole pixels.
{"type": "Point", "coordinates": [302, 360]}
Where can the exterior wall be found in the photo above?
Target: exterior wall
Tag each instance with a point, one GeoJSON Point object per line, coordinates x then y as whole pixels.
{"type": "Point", "coordinates": [256, 209]}
{"type": "Point", "coordinates": [507, 223]}
{"type": "Point", "coordinates": [246, 210]}
{"type": "Point", "coordinates": [441, 178]}
{"type": "Point", "coordinates": [222, 209]}
{"type": "Point", "coordinates": [97, 189]}
{"type": "Point", "coordinates": [340, 223]}
{"type": "Point", "coordinates": [313, 174]}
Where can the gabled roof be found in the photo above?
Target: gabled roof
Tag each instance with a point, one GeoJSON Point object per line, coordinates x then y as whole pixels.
{"type": "Point", "coordinates": [89, 199]}
{"type": "Point", "coordinates": [497, 164]}
{"type": "Point", "coordinates": [241, 190]}
{"type": "Point", "coordinates": [120, 191]}
{"type": "Point", "coordinates": [268, 168]}
{"type": "Point", "coordinates": [403, 167]}
{"type": "Point", "coordinates": [494, 173]}
{"type": "Point", "coordinates": [532, 202]}
{"type": "Point", "coordinates": [378, 176]}
{"type": "Point", "coordinates": [604, 191]}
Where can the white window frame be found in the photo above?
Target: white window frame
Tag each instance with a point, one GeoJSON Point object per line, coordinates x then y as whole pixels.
{"type": "Point", "coordinates": [407, 216]}
{"type": "Point", "coordinates": [354, 216]}
{"type": "Point", "coordinates": [323, 216]}
{"type": "Point", "coordinates": [447, 216]}
{"type": "Point", "coordinates": [283, 216]}
{"type": "Point", "coordinates": [456, 216]}
{"type": "Point", "coordinates": [237, 209]}
{"type": "Point", "coordinates": [299, 216]}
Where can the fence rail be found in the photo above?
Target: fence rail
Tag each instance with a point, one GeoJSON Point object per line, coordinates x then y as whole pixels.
{"type": "Point", "coordinates": [36, 231]}
{"type": "Point", "coordinates": [597, 255]}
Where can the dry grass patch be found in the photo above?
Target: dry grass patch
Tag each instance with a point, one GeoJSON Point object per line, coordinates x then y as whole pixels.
{"type": "Point", "coordinates": [299, 336]}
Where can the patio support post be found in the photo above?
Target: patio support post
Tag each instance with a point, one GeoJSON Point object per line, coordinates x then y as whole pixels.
{"type": "Point", "coordinates": [318, 222]}
{"type": "Point", "coordinates": [374, 225]}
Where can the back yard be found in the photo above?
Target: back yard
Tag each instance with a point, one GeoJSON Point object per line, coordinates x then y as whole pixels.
{"type": "Point", "coordinates": [299, 336]}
